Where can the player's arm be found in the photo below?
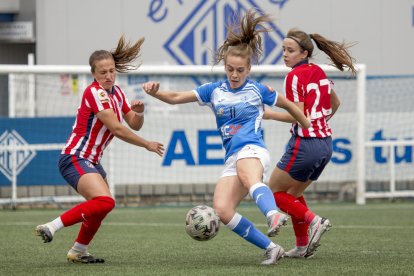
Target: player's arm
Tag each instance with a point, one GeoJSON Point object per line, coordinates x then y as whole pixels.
{"type": "Point", "coordinates": [296, 111]}
{"type": "Point", "coordinates": [170, 97]}
{"type": "Point", "coordinates": [270, 114]}
{"type": "Point", "coordinates": [335, 103]}
{"type": "Point", "coordinates": [135, 118]}
{"type": "Point", "coordinates": [108, 118]}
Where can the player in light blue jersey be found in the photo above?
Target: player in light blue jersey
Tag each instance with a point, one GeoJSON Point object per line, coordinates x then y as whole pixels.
{"type": "Point", "coordinates": [238, 104]}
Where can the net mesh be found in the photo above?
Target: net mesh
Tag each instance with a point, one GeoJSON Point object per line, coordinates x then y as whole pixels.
{"type": "Point", "coordinates": [193, 153]}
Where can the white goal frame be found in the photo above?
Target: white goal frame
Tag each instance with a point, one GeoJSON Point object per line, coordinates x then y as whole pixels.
{"type": "Point", "coordinates": [362, 195]}
{"type": "Point", "coordinates": [187, 70]}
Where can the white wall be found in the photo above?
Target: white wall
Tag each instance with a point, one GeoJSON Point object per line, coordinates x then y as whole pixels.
{"type": "Point", "coordinates": [68, 31]}
{"type": "Point", "coordinates": [9, 6]}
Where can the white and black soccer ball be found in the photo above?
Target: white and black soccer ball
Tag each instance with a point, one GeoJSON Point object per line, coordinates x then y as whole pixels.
{"type": "Point", "coordinates": [202, 223]}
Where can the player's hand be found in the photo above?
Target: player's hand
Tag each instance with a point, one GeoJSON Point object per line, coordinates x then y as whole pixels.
{"type": "Point", "coordinates": [309, 123]}
{"type": "Point", "coordinates": [156, 147]}
{"type": "Point", "coordinates": [137, 106]}
{"type": "Point", "coordinates": [151, 87]}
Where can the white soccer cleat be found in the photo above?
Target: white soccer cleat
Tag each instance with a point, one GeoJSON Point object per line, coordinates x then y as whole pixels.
{"type": "Point", "coordinates": [272, 255]}
{"type": "Point", "coordinates": [298, 252]}
{"type": "Point", "coordinates": [275, 222]}
{"type": "Point", "coordinates": [317, 228]}
{"type": "Point", "coordinates": [45, 232]}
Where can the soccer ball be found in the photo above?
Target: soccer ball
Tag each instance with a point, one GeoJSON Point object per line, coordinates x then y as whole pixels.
{"type": "Point", "coordinates": [202, 223]}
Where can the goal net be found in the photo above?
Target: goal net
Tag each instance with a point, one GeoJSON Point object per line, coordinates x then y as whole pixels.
{"type": "Point", "coordinates": [43, 100]}
{"type": "Point", "coordinates": [389, 132]}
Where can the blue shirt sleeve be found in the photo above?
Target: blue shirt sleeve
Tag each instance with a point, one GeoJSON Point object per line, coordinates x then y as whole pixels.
{"type": "Point", "coordinates": [204, 92]}
{"type": "Point", "coordinates": [268, 93]}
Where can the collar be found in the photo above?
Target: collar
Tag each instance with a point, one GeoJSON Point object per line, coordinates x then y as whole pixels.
{"type": "Point", "coordinates": [305, 61]}
{"type": "Point", "coordinates": [111, 91]}
{"type": "Point", "coordinates": [238, 88]}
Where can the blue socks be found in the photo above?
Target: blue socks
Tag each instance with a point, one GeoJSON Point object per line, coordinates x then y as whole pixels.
{"type": "Point", "coordinates": [264, 199]}
{"type": "Point", "coordinates": [245, 229]}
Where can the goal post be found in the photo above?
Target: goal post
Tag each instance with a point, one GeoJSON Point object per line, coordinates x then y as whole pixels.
{"type": "Point", "coordinates": [193, 148]}
{"type": "Point", "coordinates": [361, 94]}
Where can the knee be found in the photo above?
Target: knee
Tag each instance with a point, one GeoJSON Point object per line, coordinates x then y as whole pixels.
{"type": "Point", "coordinates": [225, 214]}
{"type": "Point", "coordinates": [278, 196]}
{"type": "Point", "coordinates": [105, 205]}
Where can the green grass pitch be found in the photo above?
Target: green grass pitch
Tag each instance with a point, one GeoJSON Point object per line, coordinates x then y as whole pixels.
{"type": "Point", "coordinates": [375, 239]}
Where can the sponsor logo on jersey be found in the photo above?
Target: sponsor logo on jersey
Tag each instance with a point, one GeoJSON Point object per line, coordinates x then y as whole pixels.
{"type": "Point", "coordinates": [103, 96]}
{"type": "Point", "coordinates": [229, 130]}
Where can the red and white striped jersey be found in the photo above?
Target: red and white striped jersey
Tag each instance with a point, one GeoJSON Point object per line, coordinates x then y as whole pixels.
{"type": "Point", "coordinates": [308, 83]}
{"type": "Point", "coordinates": [89, 135]}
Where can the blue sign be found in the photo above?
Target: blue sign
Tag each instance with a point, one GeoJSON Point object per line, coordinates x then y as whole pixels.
{"type": "Point", "coordinates": [179, 149]}
{"type": "Point", "coordinates": [204, 29]}
{"type": "Point", "coordinates": [33, 167]}
{"type": "Point", "coordinates": [382, 157]}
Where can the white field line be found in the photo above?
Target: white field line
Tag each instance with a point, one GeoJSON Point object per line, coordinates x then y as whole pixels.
{"type": "Point", "coordinates": [146, 224]}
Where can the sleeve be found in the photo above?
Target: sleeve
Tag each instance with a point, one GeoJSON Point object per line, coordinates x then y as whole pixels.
{"type": "Point", "coordinates": [204, 92]}
{"type": "Point", "coordinates": [269, 94]}
{"type": "Point", "coordinates": [332, 84]}
{"type": "Point", "coordinates": [126, 105]}
{"type": "Point", "coordinates": [293, 88]}
{"type": "Point", "coordinates": [97, 99]}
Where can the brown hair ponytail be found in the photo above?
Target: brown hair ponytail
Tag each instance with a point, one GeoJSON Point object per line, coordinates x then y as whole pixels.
{"type": "Point", "coordinates": [123, 55]}
{"type": "Point", "coordinates": [337, 52]}
{"type": "Point", "coordinates": [243, 38]}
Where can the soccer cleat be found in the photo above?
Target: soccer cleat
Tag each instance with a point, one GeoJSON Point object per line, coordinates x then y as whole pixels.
{"type": "Point", "coordinates": [44, 232]}
{"type": "Point", "coordinates": [316, 230]}
{"type": "Point", "coordinates": [274, 222]}
{"type": "Point", "coordinates": [272, 255]}
{"type": "Point", "coordinates": [298, 252]}
{"type": "Point", "coordinates": [82, 258]}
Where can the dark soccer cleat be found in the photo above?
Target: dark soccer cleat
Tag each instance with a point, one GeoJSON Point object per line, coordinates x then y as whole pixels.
{"type": "Point", "coordinates": [44, 232]}
{"type": "Point", "coordinates": [82, 258]}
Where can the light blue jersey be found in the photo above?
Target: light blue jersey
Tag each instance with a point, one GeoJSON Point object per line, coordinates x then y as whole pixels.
{"type": "Point", "coordinates": [238, 112]}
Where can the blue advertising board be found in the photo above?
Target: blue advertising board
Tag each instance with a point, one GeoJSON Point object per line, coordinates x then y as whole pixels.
{"type": "Point", "coordinates": [33, 167]}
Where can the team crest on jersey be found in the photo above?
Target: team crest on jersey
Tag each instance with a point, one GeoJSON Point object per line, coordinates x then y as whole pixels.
{"type": "Point", "coordinates": [220, 112]}
{"type": "Point", "coordinates": [103, 96]}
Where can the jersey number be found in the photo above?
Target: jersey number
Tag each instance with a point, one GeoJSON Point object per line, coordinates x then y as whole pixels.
{"type": "Point", "coordinates": [315, 87]}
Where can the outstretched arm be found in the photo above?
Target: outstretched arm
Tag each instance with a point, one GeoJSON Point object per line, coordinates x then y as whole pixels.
{"type": "Point", "coordinates": [270, 114]}
{"type": "Point", "coordinates": [108, 118]}
{"type": "Point", "coordinates": [152, 88]}
{"type": "Point", "coordinates": [293, 110]}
